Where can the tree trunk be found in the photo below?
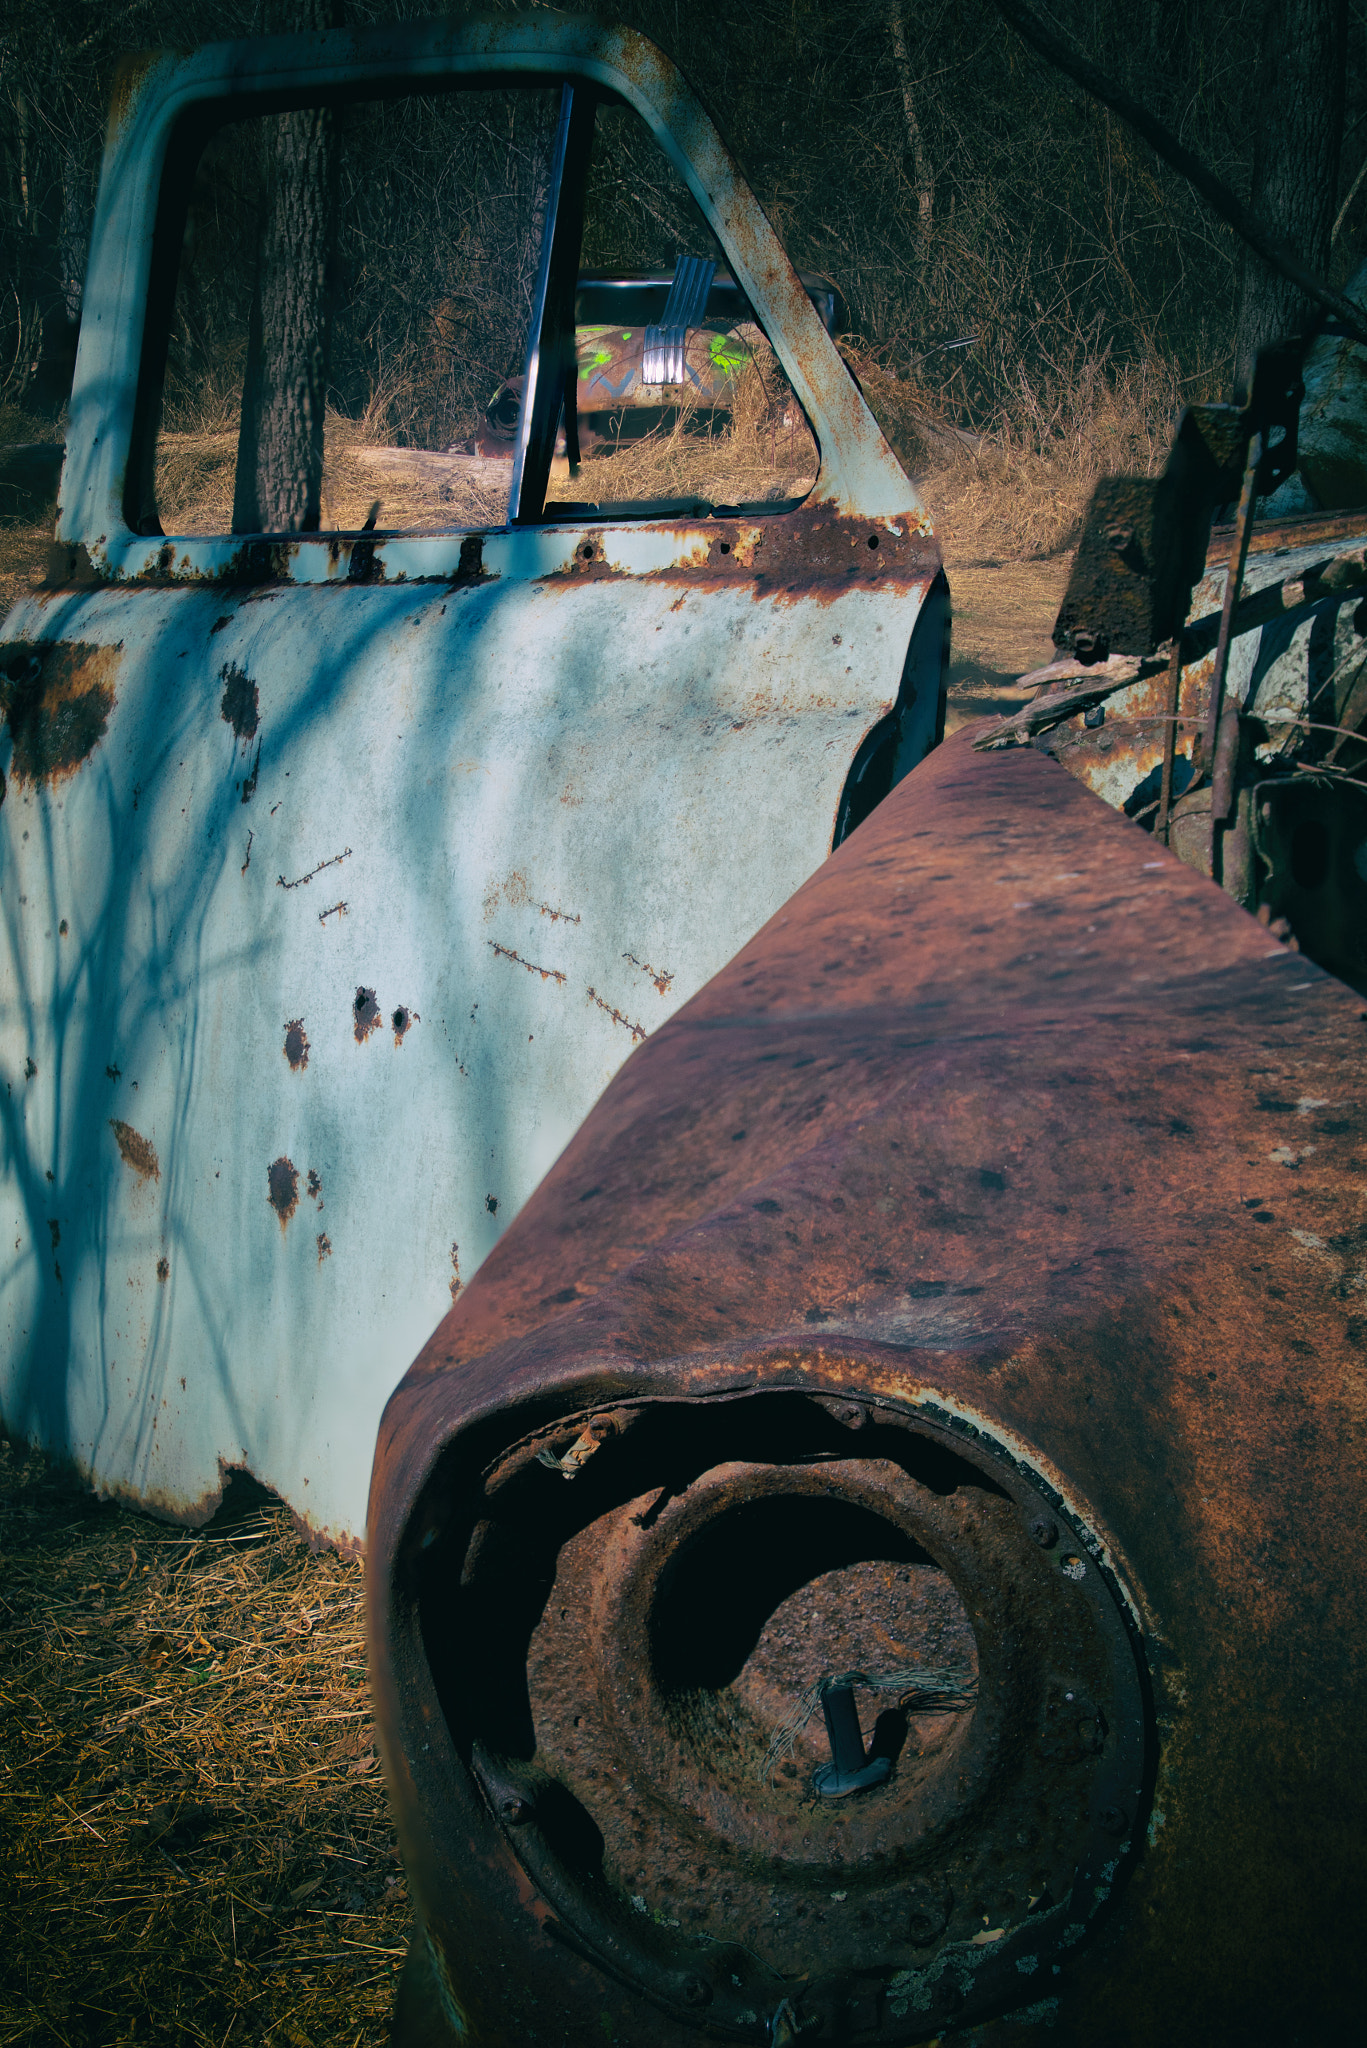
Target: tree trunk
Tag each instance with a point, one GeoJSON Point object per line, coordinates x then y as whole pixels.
{"type": "Point", "coordinates": [1297, 116]}
{"type": "Point", "coordinates": [278, 487]}
{"type": "Point", "coordinates": [922, 175]}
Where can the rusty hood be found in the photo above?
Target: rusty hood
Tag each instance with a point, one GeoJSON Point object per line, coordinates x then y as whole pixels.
{"type": "Point", "coordinates": [1007, 1120]}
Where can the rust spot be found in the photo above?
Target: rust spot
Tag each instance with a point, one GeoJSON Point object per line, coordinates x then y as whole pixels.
{"type": "Point", "coordinates": [30, 1067]}
{"type": "Point", "coordinates": [314, 1185]}
{"type": "Point", "coordinates": [129, 74]}
{"type": "Point", "coordinates": [636, 1030]}
{"type": "Point", "coordinates": [403, 1020]}
{"type": "Point", "coordinates": [559, 916]}
{"type": "Point", "coordinates": [282, 1178]}
{"type": "Point", "coordinates": [54, 1230]}
{"type": "Point", "coordinates": [661, 980]}
{"type": "Point", "coordinates": [114, 1073]}
{"type": "Point", "coordinates": [365, 1013]}
{"type": "Point", "coordinates": [513, 891]}
{"type": "Point", "coordinates": [337, 910]}
{"type": "Point", "coordinates": [455, 1271]}
{"type": "Point", "coordinates": [298, 883]}
{"type": "Point", "coordinates": [57, 701]}
{"type": "Point", "coordinates": [135, 1150]}
{"type": "Point", "coordinates": [324, 1246]}
{"type": "Point", "coordinates": [164, 1273]}
{"type": "Point", "coordinates": [296, 1044]}
{"type": "Point", "coordinates": [491, 1204]}
{"type": "Point", "coordinates": [546, 973]}
{"type": "Point", "coordinates": [241, 705]}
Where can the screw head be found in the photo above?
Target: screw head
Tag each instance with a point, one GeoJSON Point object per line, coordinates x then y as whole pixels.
{"type": "Point", "coordinates": [851, 1414]}
{"type": "Point", "coordinates": [516, 1812]}
{"type": "Point", "coordinates": [1113, 1820]}
{"type": "Point", "coordinates": [1120, 537]}
{"type": "Point", "coordinates": [1045, 1531]}
{"type": "Point", "coordinates": [696, 1991]}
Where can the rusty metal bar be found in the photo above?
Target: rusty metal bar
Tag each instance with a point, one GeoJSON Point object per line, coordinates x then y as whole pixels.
{"type": "Point", "coordinates": [1222, 721]}
{"type": "Point", "coordinates": [1160, 827]}
{"type": "Point", "coordinates": [549, 385]}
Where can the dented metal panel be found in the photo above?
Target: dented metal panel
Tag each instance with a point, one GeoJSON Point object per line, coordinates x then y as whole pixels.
{"type": "Point", "coordinates": [342, 872]}
{"type": "Point", "coordinates": [965, 1286]}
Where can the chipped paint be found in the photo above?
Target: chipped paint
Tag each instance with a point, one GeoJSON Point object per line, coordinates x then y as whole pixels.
{"type": "Point", "coordinates": [415, 707]}
{"type": "Point", "coordinates": [135, 1150]}
{"type": "Point", "coordinates": [57, 698]}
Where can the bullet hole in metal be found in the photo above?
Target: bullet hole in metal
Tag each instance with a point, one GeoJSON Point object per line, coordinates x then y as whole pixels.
{"type": "Point", "coordinates": [365, 1013]}
{"type": "Point", "coordinates": [402, 1021]}
{"type": "Point", "coordinates": [873, 540]}
{"type": "Point", "coordinates": [282, 1180]}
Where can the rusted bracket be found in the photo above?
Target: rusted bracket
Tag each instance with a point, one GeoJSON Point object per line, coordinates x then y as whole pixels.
{"type": "Point", "coordinates": [1059, 704]}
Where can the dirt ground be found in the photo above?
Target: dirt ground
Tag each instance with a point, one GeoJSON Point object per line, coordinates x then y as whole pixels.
{"type": "Point", "coordinates": [194, 1841]}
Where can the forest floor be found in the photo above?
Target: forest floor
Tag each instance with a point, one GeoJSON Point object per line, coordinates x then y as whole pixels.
{"type": "Point", "coordinates": [194, 1840]}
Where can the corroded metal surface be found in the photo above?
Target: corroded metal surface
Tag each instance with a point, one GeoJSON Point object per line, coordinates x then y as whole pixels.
{"type": "Point", "coordinates": [1010, 1135]}
{"type": "Point", "coordinates": [341, 872]}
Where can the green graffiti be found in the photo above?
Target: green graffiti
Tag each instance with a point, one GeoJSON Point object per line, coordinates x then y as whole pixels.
{"type": "Point", "coordinates": [728, 355]}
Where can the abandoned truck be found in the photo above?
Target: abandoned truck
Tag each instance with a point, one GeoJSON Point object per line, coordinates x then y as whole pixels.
{"type": "Point", "coordinates": [873, 1551]}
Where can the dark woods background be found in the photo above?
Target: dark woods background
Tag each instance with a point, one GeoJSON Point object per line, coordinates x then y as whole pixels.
{"type": "Point", "coordinates": [912, 151]}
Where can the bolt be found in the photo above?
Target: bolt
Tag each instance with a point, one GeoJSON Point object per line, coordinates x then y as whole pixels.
{"type": "Point", "coordinates": [1120, 538]}
{"type": "Point", "coordinates": [696, 1991]}
{"type": "Point", "coordinates": [517, 1812]}
{"type": "Point", "coordinates": [851, 1414]}
{"type": "Point", "coordinates": [1113, 1820]}
{"type": "Point", "coordinates": [1044, 1531]}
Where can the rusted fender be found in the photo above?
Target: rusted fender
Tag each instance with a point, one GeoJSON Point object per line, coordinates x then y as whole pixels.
{"type": "Point", "coordinates": [1008, 1128]}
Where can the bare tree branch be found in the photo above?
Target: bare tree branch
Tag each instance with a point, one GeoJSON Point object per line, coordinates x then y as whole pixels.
{"type": "Point", "coordinates": [1213, 190]}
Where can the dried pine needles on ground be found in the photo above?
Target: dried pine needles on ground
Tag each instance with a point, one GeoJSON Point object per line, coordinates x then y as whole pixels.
{"type": "Point", "coordinates": [194, 1841]}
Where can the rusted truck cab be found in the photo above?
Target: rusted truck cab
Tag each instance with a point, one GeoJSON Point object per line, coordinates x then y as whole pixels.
{"type": "Point", "coordinates": [343, 868]}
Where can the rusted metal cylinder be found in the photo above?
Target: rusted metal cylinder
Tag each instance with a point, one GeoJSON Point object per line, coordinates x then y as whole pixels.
{"type": "Point", "coordinates": [957, 1303]}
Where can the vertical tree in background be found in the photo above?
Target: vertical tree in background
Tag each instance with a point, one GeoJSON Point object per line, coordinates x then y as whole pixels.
{"type": "Point", "coordinates": [278, 488]}
{"type": "Point", "coordinates": [918, 157]}
{"type": "Point", "coordinates": [1297, 117]}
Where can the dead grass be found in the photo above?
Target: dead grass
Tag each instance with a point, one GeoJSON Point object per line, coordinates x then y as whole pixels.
{"type": "Point", "coordinates": [194, 1842]}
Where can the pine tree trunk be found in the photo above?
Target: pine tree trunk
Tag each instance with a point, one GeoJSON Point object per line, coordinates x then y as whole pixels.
{"type": "Point", "coordinates": [278, 487]}
{"type": "Point", "coordinates": [1297, 116]}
